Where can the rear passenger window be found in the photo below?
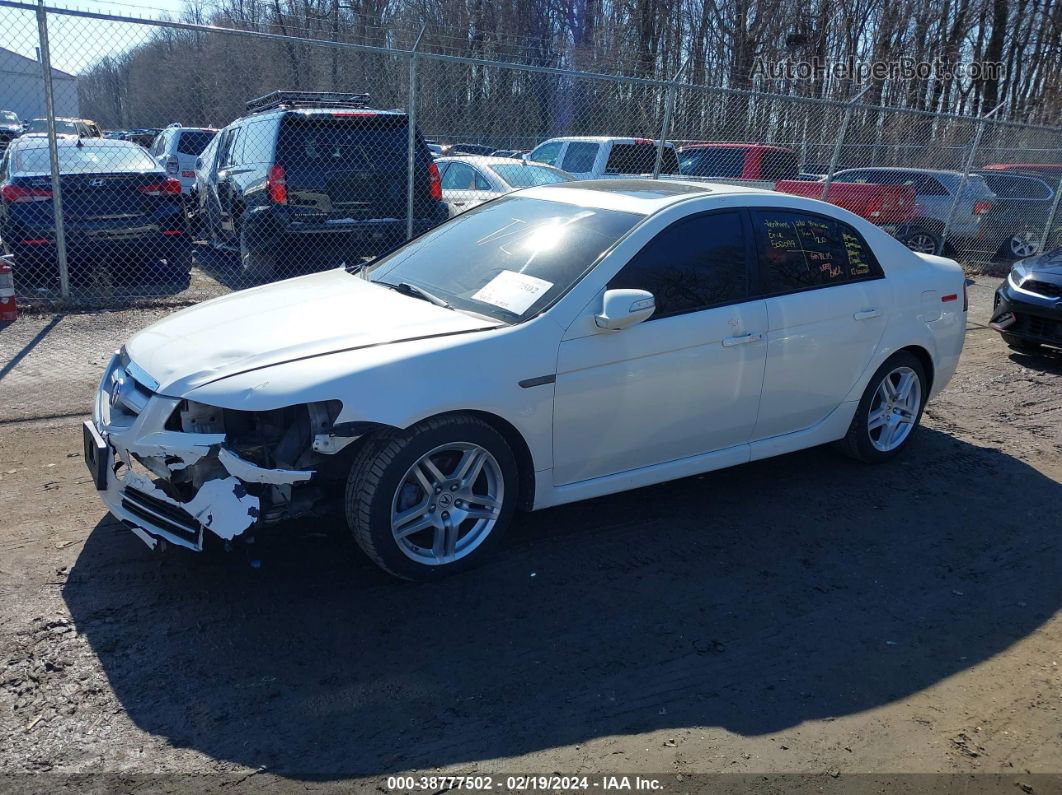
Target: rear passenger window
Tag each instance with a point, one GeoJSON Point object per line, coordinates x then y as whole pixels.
{"type": "Point", "coordinates": [580, 157]}
{"type": "Point", "coordinates": [693, 264]}
{"type": "Point", "coordinates": [258, 142]}
{"type": "Point", "coordinates": [800, 251]}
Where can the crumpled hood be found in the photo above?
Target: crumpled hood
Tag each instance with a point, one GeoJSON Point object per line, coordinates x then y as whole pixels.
{"type": "Point", "coordinates": [281, 322]}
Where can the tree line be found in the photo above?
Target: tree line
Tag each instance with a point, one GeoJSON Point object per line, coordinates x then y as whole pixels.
{"type": "Point", "coordinates": [205, 78]}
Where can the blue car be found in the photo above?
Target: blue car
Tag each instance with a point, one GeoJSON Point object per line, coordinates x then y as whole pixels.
{"type": "Point", "coordinates": [120, 211]}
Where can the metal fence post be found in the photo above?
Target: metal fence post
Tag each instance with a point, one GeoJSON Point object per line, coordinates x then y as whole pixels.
{"type": "Point", "coordinates": [53, 151]}
{"type": "Point", "coordinates": [665, 127]}
{"type": "Point", "coordinates": [836, 157]}
{"type": "Point", "coordinates": [1045, 239]}
{"type": "Point", "coordinates": [966, 168]}
{"type": "Point", "coordinates": [411, 141]}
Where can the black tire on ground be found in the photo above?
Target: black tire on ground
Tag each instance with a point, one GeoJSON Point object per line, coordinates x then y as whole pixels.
{"type": "Point", "coordinates": [918, 238]}
{"type": "Point", "coordinates": [857, 442]}
{"type": "Point", "coordinates": [1020, 344]}
{"type": "Point", "coordinates": [257, 267]}
{"type": "Point", "coordinates": [378, 471]}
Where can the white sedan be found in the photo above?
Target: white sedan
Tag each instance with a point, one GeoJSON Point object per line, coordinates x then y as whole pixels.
{"type": "Point", "coordinates": [470, 180]}
{"type": "Point", "coordinates": [561, 343]}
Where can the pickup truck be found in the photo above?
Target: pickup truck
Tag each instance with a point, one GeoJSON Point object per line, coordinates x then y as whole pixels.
{"type": "Point", "coordinates": [751, 164]}
{"type": "Point", "coordinates": [879, 204]}
{"type": "Point", "coordinates": [604, 157]}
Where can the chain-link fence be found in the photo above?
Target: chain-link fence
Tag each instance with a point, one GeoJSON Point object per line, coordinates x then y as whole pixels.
{"type": "Point", "coordinates": [172, 162]}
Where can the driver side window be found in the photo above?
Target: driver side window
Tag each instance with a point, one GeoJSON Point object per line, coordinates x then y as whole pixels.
{"type": "Point", "coordinates": [694, 264]}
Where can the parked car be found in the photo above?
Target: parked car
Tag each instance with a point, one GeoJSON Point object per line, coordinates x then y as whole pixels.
{"type": "Point", "coordinates": [467, 149]}
{"type": "Point", "coordinates": [10, 129]}
{"type": "Point", "coordinates": [119, 209]}
{"type": "Point", "coordinates": [81, 128]}
{"type": "Point", "coordinates": [1014, 229]}
{"type": "Point", "coordinates": [470, 181]}
{"type": "Point", "coordinates": [177, 148]}
{"type": "Point", "coordinates": [144, 136]}
{"type": "Point", "coordinates": [758, 165]}
{"type": "Point", "coordinates": [934, 195]}
{"type": "Point", "coordinates": [1028, 305]}
{"type": "Point", "coordinates": [879, 204]}
{"type": "Point", "coordinates": [1050, 170]}
{"type": "Point", "coordinates": [601, 157]}
{"type": "Point", "coordinates": [576, 340]}
{"type": "Point", "coordinates": [309, 178]}
{"type": "Point", "coordinates": [204, 168]}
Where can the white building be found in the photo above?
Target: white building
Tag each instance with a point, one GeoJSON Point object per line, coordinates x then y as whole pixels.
{"type": "Point", "coordinates": [22, 88]}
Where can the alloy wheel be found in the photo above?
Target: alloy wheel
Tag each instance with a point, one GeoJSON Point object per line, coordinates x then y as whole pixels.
{"type": "Point", "coordinates": [1024, 244]}
{"type": "Point", "coordinates": [447, 503]}
{"type": "Point", "coordinates": [894, 409]}
{"type": "Point", "coordinates": [922, 243]}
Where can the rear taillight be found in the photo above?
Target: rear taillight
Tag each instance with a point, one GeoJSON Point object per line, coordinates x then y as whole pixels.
{"type": "Point", "coordinates": [16, 194]}
{"type": "Point", "coordinates": [168, 187]}
{"type": "Point", "coordinates": [981, 207]}
{"type": "Point", "coordinates": [435, 182]}
{"type": "Point", "coordinates": [172, 166]}
{"type": "Point", "coordinates": [276, 185]}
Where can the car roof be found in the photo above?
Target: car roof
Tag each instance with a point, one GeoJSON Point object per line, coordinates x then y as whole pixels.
{"type": "Point", "coordinates": [600, 139]}
{"type": "Point", "coordinates": [734, 145]}
{"type": "Point", "coordinates": [906, 169]}
{"type": "Point", "coordinates": [491, 160]}
{"type": "Point", "coordinates": [68, 141]}
{"type": "Point", "coordinates": [644, 196]}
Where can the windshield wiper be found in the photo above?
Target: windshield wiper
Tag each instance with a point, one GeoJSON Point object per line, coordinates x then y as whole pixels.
{"type": "Point", "coordinates": [414, 291]}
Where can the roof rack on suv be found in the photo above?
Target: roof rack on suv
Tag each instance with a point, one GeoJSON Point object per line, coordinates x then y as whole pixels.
{"type": "Point", "coordinates": [292, 99]}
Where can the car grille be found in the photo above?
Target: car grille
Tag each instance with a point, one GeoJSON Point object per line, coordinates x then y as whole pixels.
{"type": "Point", "coordinates": [1045, 289]}
{"type": "Point", "coordinates": [162, 514]}
{"type": "Point", "coordinates": [1042, 327]}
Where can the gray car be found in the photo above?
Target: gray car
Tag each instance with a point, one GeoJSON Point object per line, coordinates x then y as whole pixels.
{"type": "Point", "coordinates": [934, 195]}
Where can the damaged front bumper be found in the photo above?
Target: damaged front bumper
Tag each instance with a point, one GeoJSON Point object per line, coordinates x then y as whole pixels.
{"type": "Point", "coordinates": [173, 485]}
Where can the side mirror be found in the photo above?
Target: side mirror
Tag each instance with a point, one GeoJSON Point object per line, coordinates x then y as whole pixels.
{"type": "Point", "coordinates": [621, 309]}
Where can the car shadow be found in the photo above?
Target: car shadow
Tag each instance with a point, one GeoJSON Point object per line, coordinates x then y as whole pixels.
{"type": "Point", "coordinates": [1046, 360]}
{"type": "Point", "coordinates": [754, 599]}
{"type": "Point", "coordinates": [224, 266]}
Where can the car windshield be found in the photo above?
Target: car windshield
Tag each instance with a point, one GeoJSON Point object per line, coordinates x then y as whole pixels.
{"type": "Point", "coordinates": [508, 259]}
{"type": "Point", "coordinates": [527, 176]}
{"type": "Point", "coordinates": [8, 116]}
{"type": "Point", "coordinates": [86, 159]}
{"type": "Point", "coordinates": [61, 126]}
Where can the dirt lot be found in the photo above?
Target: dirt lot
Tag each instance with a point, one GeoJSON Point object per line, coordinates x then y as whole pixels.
{"type": "Point", "coordinates": [801, 615]}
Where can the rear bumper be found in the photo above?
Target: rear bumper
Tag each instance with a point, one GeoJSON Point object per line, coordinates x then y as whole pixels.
{"type": "Point", "coordinates": [1027, 317]}
{"type": "Point", "coordinates": [266, 228]}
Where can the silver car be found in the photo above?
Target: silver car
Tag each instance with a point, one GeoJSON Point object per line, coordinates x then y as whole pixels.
{"type": "Point", "coordinates": [471, 180]}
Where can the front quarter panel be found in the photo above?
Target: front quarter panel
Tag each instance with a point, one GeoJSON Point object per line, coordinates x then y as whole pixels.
{"type": "Point", "coordinates": [400, 384]}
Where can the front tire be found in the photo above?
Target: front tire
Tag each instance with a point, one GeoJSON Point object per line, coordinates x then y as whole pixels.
{"type": "Point", "coordinates": [889, 411]}
{"type": "Point", "coordinates": [434, 499]}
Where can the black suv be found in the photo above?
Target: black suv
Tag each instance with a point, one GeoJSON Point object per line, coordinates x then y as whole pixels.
{"type": "Point", "coordinates": [308, 179]}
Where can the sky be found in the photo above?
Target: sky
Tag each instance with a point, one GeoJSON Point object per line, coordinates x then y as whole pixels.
{"type": "Point", "coordinates": [77, 43]}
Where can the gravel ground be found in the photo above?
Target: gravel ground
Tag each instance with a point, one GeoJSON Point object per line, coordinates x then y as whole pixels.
{"type": "Point", "coordinates": [803, 615]}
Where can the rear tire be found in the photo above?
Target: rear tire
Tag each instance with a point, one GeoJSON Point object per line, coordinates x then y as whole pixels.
{"type": "Point", "coordinates": [919, 239]}
{"type": "Point", "coordinates": [257, 267]}
{"type": "Point", "coordinates": [434, 499]}
{"type": "Point", "coordinates": [887, 415]}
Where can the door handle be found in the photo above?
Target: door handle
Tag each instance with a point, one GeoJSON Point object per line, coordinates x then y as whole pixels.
{"type": "Point", "coordinates": [744, 339]}
{"type": "Point", "coordinates": [867, 314]}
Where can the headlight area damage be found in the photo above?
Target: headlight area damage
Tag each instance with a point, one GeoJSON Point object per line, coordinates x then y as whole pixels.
{"type": "Point", "coordinates": [222, 470]}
